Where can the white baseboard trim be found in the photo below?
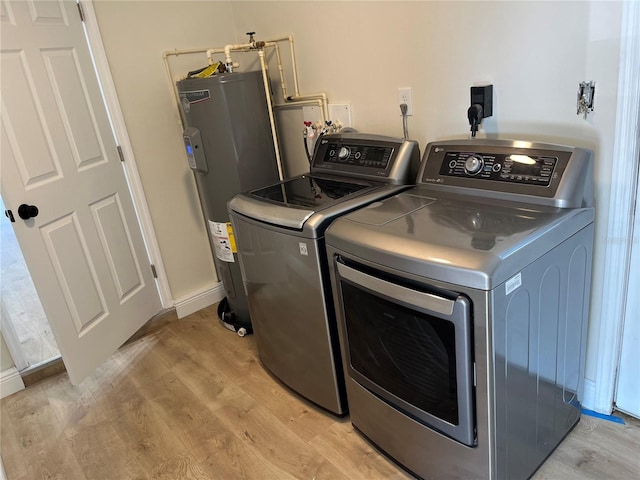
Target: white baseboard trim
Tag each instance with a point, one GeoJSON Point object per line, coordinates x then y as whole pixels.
{"type": "Point", "coordinates": [589, 395]}
{"type": "Point", "coordinates": [10, 382]}
{"type": "Point", "coordinates": [199, 300]}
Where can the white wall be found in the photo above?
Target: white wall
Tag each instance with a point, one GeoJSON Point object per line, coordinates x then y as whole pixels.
{"type": "Point", "coordinates": [135, 33]}
{"type": "Point", "coordinates": [534, 53]}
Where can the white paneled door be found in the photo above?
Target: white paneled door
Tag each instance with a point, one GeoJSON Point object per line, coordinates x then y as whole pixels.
{"type": "Point", "coordinates": [84, 248]}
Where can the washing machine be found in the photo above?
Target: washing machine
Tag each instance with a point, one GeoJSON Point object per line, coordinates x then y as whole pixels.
{"type": "Point", "coordinates": [462, 308]}
{"type": "Point", "coordinates": [280, 239]}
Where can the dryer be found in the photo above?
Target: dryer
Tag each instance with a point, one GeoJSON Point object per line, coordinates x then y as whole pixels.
{"type": "Point", "coordinates": [462, 308]}
{"type": "Point", "coordinates": [280, 239]}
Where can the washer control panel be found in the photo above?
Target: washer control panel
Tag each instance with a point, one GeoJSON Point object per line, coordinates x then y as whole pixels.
{"type": "Point", "coordinates": [512, 168]}
{"type": "Point", "coordinates": [360, 155]}
{"type": "Point", "coordinates": [365, 156]}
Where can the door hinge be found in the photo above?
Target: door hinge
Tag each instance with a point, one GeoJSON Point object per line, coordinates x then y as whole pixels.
{"type": "Point", "coordinates": [153, 271]}
{"type": "Point", "coordinates": [80, 11]}
{"type": "Point", "coordinates": [120, 153]}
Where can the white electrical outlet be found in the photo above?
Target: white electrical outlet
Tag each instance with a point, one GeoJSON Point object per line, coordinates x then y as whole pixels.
{"type": "Point", "coordinates": [404, 96]}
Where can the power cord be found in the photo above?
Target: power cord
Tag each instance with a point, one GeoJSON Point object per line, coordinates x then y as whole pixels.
{"type": "Point", "coordinates": [405, 128]}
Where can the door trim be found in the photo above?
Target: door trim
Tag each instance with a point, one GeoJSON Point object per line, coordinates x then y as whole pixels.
{"type": "Point", "coordinates": [11, 339]}
{"type": "Point", "coordinates": [122, 138]}
{"type": "Point", "coordinates": [10, 382]}
{"type": "Point", "coordinates": [621, 209]}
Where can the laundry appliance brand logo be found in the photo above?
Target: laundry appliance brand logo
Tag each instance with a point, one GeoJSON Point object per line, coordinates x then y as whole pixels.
{"type": "Point", "coordinates": [194, 96]}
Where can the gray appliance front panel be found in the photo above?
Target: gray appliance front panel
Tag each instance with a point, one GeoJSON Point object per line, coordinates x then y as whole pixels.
{"type": "Point", "coordinates": [529, 348]}
{"type": "Point", "coordinates": [281, 251]}
{"type": "Point", "coordinates": [288, 297]}
{"type": "Point", "coordinates": [234, 127]}
{"type": "Point", "coordinates": [417, 448]}
{"type": "Point", "coordinates": [228, 115]}
{"type": "Point", "coordinates": [464, 240]}
{"type": "Point", "coordinates": [456, 311]}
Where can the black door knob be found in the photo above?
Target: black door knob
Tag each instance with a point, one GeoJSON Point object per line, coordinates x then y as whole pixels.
{"type": "Point", "coordinates": [27, 211]}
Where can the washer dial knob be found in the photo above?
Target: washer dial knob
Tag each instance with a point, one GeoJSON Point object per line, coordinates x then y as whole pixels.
{"type": "Point", "coordinates": [344, 153]}
{"type": "Point", "coordinates": [473, 164]}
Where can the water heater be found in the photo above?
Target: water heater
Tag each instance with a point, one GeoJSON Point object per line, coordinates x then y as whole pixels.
{"type": "Point", "coordinates": [230, 149]}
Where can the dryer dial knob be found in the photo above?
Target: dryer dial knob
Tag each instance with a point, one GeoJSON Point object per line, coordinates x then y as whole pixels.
{"type": "Point", "coordinates": [344, 153]}
{"type": "Point", "coordinates": [473, 164]}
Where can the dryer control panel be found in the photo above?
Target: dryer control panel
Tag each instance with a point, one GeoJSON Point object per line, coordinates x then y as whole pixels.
{"type": "Point", "coordinates": [515, 168]}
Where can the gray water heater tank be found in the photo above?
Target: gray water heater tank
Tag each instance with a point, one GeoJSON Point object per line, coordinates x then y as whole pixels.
{"type": "Point", "coordinates": [230, 149]}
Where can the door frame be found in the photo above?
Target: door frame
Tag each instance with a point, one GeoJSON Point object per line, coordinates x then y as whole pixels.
{"type": "Point", "coordinates": [11, 339]}
{"type": "Point", "coordinates": [122, 138]}
{"type": "Point", "coordinates": [621, 210]}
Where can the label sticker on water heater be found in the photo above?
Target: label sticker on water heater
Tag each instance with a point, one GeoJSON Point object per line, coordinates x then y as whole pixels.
{"type": "Point", "coordinates": [223, 241]}
{"type": "Point", "coordinates": [513, 283]}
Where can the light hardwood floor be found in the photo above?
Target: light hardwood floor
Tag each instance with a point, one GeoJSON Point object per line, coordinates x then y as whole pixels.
{"type": "Point", "coordinates": [191, 401]}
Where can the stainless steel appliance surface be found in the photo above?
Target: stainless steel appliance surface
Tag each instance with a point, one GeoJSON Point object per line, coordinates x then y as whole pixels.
{"type": "Point", "coordinates": [280, 239]}
{"type": "Point", "coordinates": [230, 150]}
{"type": "Point", "coordinates": [462, 308]}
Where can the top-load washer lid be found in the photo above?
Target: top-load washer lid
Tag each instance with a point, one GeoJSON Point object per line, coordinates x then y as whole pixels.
{"type": "Point", "coordinates": [291, 203]}
{"type": "Point", "coordinates": [309, 191]}
{"type": "Point", "coordinates": [348, 171]}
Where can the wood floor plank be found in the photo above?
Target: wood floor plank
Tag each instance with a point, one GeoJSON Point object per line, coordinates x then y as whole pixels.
{"type": "Point", "coordinates": [75, 406]}
{"type": "Point", "coordinates": [57, 465]}
{"type": "Point", "coordinates": [354, 457]}
{"type": "Point", "coordinates": [219, 451]}
{"type": "Point", "coordinates": [224, 351]}
{"type": "Point", "coordinates": [595, 450]}
{"type": "Point", "coordinates": [276, 443]}
{"type": "Point", "coordinates": [217, 345]}
{"type": "Point", "coordinates": [141, 430]}
{"type": "Point", "coordinates": [181, 409]}
{"type": "Point", "coordinates": [33, 443]}
{"type": "Point", "coordinates": [143, 361]}
{"type": "Point", "coordinates": [301, 416]}
{"type": "Point", "coordinates": [102, 454]}
{"type": "Point", "coordinates": [212, 385]}
{"type": "Point", "coordinates": [181, 467]}
{"type": "Point", "coordinates": [191, 401]}
{"type": "Point", "coordinates": [11, 447]}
